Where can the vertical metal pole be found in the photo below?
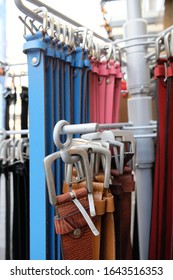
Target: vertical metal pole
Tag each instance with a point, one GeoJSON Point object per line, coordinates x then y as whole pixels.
{"type": "Point", "coordinates": [36, 72]}
{"type": "Point", "coordinates": [133, 9]}
{"type": "Point", "coordinates": [140, 113]}
{"type": "Point", "coordinates": [2, 58]}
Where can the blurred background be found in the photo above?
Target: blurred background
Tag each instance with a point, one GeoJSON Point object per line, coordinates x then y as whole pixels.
{"type": "Point", "coordinates": [104, 17]}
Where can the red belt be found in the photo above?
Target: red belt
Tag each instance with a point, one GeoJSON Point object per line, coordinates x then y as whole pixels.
{"type": "Point", "coordinates": [157, 206]}
{"type": "Point", "coordinates": [161, 221]}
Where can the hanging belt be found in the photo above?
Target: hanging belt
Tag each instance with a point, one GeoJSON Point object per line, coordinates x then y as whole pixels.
{"type": "Point", "coordinates": [62, 93]}
{"type": "Point", "coordinates": [110, 84]}
{"type": "Point", "coordinates": [49, 111]}
{"type": "Point", "coordinates": [56, 105]}
{"type": "Point", "coordinates": [84, 101]}
{"type": "Point", "coordinates": [77, 79]}
{"type": "Point", "coordinates": [3, 214]}
{"type": "Point", "coordinates": [117, 93]}
{"type": "Point", "coordinates": [24, 109]}
{"type": "Point", "coordinates": [67, 87]}
{"type": "Point", "coordinates": [100, 210]}
{"type": "Point", "coordinates": [122, 187]}
{"type": "Point", "coordinates": [11, 99]}
{"type": "Point", "coordinates": [94, 91]}
{"type": "Point", "coordinates": [108, 234]}
{"type": "Point", "coordinates": [103, 75]}
{"type": "Point", "coordinates": [21, 212]}
{"type": "Point", "coordinates": [159, 183]}
{"type": "Point", "coordinates": [75, 233]}
{"type": "Point", "coordinates": [167, 221]}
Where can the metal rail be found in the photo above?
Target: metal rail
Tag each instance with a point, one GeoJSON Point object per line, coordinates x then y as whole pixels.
{"type": "Point", "coordinates": [36, 17]}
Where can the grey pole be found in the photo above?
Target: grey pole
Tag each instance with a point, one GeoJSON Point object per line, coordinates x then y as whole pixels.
{"type": "Point", "coordinates": [140, 114]}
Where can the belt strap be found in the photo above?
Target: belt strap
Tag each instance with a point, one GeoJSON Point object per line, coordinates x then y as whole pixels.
{"type": "Point", "coordinates": [108, 233]}
{"type": "Point", "coordinates": [167, 222]}
{"type": "Point", "coordinates": [121, 188]}
{"type": "Point", "coordinates": [159, 177]}
{"type": "Point", "coordinates": [103, 246]}
{"type": "Point", "coordinates": [117, 93]}
{"type": "Point", "coordinates": [103, 74]}
{"type": "Point", "coordinates": [94, 91]}
{"type": "Point", "coordinates": [100, 210]}
{"type": "Point", "coordinates": [109, 96]}
{"type": "Point", "coordinates": [108, 242]}
{"type": "Point", "coordinates": [70, 223]}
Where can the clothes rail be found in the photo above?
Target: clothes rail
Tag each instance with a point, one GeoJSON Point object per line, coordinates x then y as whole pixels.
{"type": "Point", "coordinates": [90, 127]}
{"type": "Point", "coordinates": [36, 17]}
{"type": "Point", "coordinates": [13, 132]}
{"type": "Point", "coordinates": [94, 127]}
{"type": "Point", "coordinates": [141, 127]}
{"type": "Point", "coordinates": [12, 64]}
{"type": "Point", "coordinates": [22, 74]}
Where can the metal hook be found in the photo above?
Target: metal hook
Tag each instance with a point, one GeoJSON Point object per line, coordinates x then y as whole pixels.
{"type": "Point", "coordinates": [109, 53]}
{"type": "Point", "coordinates": [44, 11]}
{"type": "Point", "coordinates": [159, 41]}
{"type": "Point", "coordinates": [58, 30]}
{"type": "Point", "coordinates": [52, 24]}
{"type": "Point", "coordinates": [26, 25]}
{"type": "Point", "coordinates": [167, 40]}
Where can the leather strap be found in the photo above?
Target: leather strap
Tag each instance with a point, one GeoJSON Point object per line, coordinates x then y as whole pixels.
{"type": "Point", "coordinates": [109, 95]}
{"type": "Point", "coordinates": [103, 74]}
{"type": "Point", "coordinates": [108, 243]}
{"type": "Point", "coordinates": [24, 109]}
{"type": "Point", "coordinates": [117, 93]}
{"type": "Point", "coordinates": [108, 234]}
{"type": "Point", "coordinates": [167, 243]}
{"type": "Point", "coordinates": [94, 110]}
{"type": "Point", "coordinates": [159, 184]}
{"type": "Point", "coordinates": [121, 188]}
{"type": "Point", "coordinates": [100, 210]}
{"type": "Point", "coordinates": [103, 246]}
{"type": "Point", "coordinates": [76, 236]}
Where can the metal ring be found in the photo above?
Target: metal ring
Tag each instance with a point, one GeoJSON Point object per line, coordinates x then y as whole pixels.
{"type": "Point", "coordinates": [57, 133]}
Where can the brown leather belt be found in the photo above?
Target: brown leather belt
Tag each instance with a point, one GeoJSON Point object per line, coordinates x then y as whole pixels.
{"type": "Point", "coordinates": [78, 242]}
{"type": "Point", "coordinates": [122, 187]}
{"type": "Point", "coordinates": [72, 227]}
